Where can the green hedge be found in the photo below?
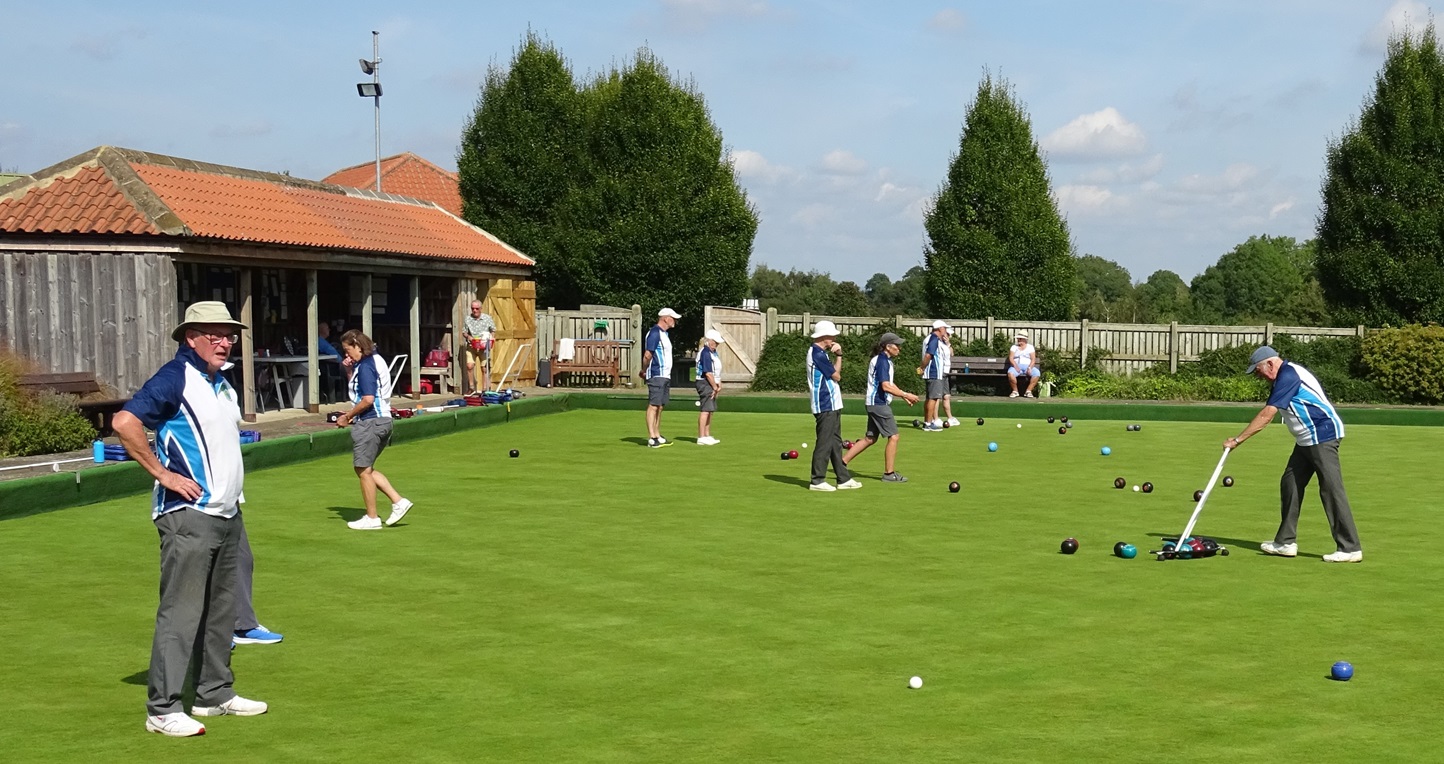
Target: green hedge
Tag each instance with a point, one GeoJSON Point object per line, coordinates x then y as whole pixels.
{"type": "Point", "coordinates": [782, 366]}
{"type": "Point", "coordinates": [47, 423]}
{"type": "Point", "coordinates": [1408, 362]}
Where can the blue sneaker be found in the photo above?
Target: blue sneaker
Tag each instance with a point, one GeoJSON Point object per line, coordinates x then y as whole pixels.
{"type": "Point", "coordinates": [257, 636]}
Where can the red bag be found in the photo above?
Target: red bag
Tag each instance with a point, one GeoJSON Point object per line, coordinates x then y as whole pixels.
{"type": "Point", "coordinates": [438, 358]}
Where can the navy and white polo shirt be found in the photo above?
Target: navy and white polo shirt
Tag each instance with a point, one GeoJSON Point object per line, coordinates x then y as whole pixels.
{"type": "Point", "coordinates": [1307, 411]}
{"type": "Point", "coordinates": [661, 346]}
{"type": "Point", "coordinates": [942, 357]}
{"type": "Point", "coordinates": [372, 377]}
{"type": "Point", "coordinates": [708, 362]}
{"type": "Point", "coordinates": [196, 421]}
{"type": "Point", "coordinates": [826, 395]}
{"type": "Point", "coordinates": [879, 370]}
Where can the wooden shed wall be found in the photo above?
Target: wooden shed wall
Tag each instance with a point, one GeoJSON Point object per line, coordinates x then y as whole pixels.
{"type": "Point", "coordinates": [104, 312]}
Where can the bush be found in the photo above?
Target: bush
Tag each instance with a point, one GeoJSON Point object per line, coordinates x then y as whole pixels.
{"type": "Point", "coordinates": [1407, 362]}
{"type": "Point", "coordinates": [33, 425]}
{"type": "Point", "coordinates": [1163, 387]}
{"type": "Point", "coordinates": [1338, 363]}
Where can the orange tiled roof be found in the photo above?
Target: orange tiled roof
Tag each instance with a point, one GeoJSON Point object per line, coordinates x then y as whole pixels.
{"type": "Point", "coordinates": [86, 201]}
{"type": "Point", "coordinates": [114, 190]}
{"type": "Point", "coordinates": [406, 174]}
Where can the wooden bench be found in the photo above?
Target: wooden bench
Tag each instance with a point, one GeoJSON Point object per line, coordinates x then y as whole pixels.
{"type": "Point", "coordinates": [79, 383]}
{"type": "Point", "coordinates": [976, 369]}
{"type": "Point", "coordinates": [597, 358]}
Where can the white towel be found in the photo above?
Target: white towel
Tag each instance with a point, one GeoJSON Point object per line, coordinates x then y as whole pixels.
{"type": "Point", "coordinates": [566, 349]}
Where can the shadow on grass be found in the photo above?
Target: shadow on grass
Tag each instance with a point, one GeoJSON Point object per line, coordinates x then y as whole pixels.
{"type": "Point", "coordinates": [1236, 546]}
{"type": "Point", "coordinates": [789, 480]}
{"type": "Point", "coordinates": [635, 441]}
{"type": "Point", "coordinates": [348, 513]}
{"type": "Point", "coordinates": [139, 678]}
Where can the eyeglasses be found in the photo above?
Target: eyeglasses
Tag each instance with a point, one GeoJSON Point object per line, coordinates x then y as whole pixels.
{"type": "Point", "coordinates": [216, 339]}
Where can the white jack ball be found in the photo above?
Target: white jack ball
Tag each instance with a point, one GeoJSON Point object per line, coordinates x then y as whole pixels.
{"type": "Point", "coordinates": [916, 682]}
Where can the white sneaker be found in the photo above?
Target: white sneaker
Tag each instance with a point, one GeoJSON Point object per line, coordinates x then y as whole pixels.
{"type": "Point", "coordinates": [1028, 394]}
{"type": "Point", "coordinates": [850, 484]}
{"type": "Point", "coordinates": [398, 511]}
{"type": "Point", "coordinates": [707, 441]}
{"type": "Point", "coordinates": [820, 487]}
{"type": "Point", "coordinates": [174, 725]}
{"type": "Point", "coordinates": [952, 422]}
{"type": "Point", "coordinates": [1280, 550]}
{"type": "Point", "coordinates": [236, 706]}
{"type": "Point", "coordinates": [1013, 394]}
{"type": "Point", "coordinates": [365, 524]}
{"type": "Point", "coordinates": [1344, 556]}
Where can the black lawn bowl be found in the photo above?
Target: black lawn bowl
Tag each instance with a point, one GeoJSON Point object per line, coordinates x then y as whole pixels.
{"type": "Point", "coordinates": [1198, 495]}
{"type": "Point", "coordinates": [1227, 481]}
{"type": "Point", "coordinates": [1120, 483]}
{"type": "Point", "coordinates": [1062, 430]}
{"type": "Point", "coordinates": [514, 453]}
{"type": "Point", "coordinates": [953, 487]}
{"type": "Point", "coordinates": [980, 421]}
{"type": "Point", "coordinates": [1069, 545]}
{"type": "Point", "coordinates": [1148, 488]}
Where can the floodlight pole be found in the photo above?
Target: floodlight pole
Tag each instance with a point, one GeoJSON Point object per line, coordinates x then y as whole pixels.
{"type": "Point", "coordinates": [376, 79]}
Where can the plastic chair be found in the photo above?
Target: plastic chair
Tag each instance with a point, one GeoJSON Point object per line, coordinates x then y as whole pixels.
{"type": "Point", "coordinates": [394, 368]}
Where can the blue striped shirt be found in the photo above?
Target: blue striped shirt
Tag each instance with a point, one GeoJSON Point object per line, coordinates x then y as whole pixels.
{"type": "Point", "coordinates": [826, 395]}
{"type": "Point", "coordinates": [372, 377]}
{"type": "Point", "coordinates": [196, 420]}
{"type": "Point", "coordinates": [942, 357]}
{"type": "Point", "coordinates": [660, 344]}
{"type": "Point", "coordinates": [879, 370]}
{"type": "Point", "coordinates": [1307, 411]}
{"type": "Point", "coordinates": [708, 362]}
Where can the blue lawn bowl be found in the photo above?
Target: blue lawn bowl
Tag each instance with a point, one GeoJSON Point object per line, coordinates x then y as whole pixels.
{"type": "Point", "coordinates": [1342, 671]}
{"type": "Point", "coordinates": [1106, 451]}
{"type": "Point", "coordinates": [992, 446]}
{"type": "Point", "coordinates": [1128, 552]}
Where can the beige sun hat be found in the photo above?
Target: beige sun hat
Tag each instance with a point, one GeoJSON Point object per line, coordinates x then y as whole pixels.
{"type": "Point", "coordinates": [207, 312]}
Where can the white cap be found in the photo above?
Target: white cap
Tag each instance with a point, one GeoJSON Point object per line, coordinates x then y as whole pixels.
{"type": "Point", "coordinates": [824, 328]}
{"type": "Point", "coordinates": [941, 324]}
{"type": "Point", "coordinates": [668, 313]}
{"type": "Point", "coordinates": [715, 336]}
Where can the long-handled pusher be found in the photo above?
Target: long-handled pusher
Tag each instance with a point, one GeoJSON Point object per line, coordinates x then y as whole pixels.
{"type": "Point", "coordinates": [1180, 548]}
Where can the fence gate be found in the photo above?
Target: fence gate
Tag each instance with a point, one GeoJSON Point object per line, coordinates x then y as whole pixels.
{"type": "Point", "coordinates": [743, 332]}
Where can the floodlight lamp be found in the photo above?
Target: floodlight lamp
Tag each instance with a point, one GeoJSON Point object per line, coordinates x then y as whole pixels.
{"type": "Point", "coordinates": [368, 89]}
{"type": "Point", "coordinates": [367, 67]}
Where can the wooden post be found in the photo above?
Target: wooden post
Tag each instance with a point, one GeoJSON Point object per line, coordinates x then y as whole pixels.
{"type": "Point", "coordinates": [313, 330]}
{"type": "Point", "coordinates": [460, 308]}
{"type": "Point", "coordinates": [248, 348]}
{"type": "Point", "coordinates": [634, 354]}
{"type": "Point", "coordinates": [1269, 333]}
{"type": "Point", "coordinates": [1361, 331]}
{"type": "Point", "coordinates": [1083, 343]}
{"type": "Point", "coordinates": [415, 362]}
{"type": "Point", "coordinates": [1173, 347]}
{"type": "Point", "coordinates": [771, 326]}
{"type": "Point", "coordinates": [366, 307]}
{"type": "Point", "coordinates": [806, 323]}
{"type": "Point", "coordinates": [898, 322]}
{"type": "Point", "coordinates": [989, 329]}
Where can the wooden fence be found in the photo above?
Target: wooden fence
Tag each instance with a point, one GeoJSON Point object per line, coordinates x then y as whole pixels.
{"type": "Point", "coordinates": [594, 322]}
{"type": "Point", "coordinates": [1130, 347]}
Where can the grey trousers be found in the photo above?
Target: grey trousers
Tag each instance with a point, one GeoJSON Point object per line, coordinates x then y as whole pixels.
{"type": "Point", "coordinates": [1304, 463]}
{"type": "Point", "coordinates": [828, 448]}
{"type": "Point", "coordinates": [245, 569]}
{"type": "Point", "coordinates": [197, 609]}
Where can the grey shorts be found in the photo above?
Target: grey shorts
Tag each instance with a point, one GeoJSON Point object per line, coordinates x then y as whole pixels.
{"type": "Point", "coordinates": [707, 396]}
{"type": "Point", "coordinates": [937, 388]}
{"type": "Point", "coordinates": [659, 391]}
{"type": "Point", "coordinates": [880, 422]}
{"type": "Point", "coordinates": [369, 438]}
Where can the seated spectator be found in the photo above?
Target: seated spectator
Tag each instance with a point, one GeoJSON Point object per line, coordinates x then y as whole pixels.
{"type": "Point", "coordinates": [323, 346]}
{"type": "Point", "coordinates": [1022, 362]}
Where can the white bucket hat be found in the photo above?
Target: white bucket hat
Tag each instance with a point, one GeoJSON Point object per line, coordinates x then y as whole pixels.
{"type": "Point", "coordinates": [824, 328]}
{"type": "Point", "coordinates": [941, 324]}
{"type": "Point", "coordinates": [1022, 336]}
{"type": "Point", "coordinates": [715, 336]}
{"type": "Point", "coordinates": [206, 312]}
{"type": "Point", "coordinates": [668, 313]}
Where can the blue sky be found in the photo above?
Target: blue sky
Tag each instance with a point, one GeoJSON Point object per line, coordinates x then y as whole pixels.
{"type": "Point", "coordinates": [1173, 129]}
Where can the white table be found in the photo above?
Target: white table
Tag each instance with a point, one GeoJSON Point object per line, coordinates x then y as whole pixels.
{"type": "Point", "coordinates": [296, 377]}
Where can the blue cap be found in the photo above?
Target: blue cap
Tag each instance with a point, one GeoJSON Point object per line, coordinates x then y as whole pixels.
{"type": "Point", "coordinates": [1259, 356]}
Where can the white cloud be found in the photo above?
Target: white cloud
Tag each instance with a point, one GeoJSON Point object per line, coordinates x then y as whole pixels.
{"type": "Point", "coordinates": [1410, 15]}
{"type": "Point", "coordinates": [698, 15]}
{"type": "Point", "coordinates": [948, 20]}
{"type": "Point", "coordinates": [1074, 199]}
{"type": "Point", "coordinates": [1103, 134]}
{"type": "Point", "coordinates": [751, 165]}
{"type": "Point", "coordinates": [842, 162]}
{"type": "Point", "coordinates": [1280, 208]}
{"type": "Point", "coordinates": [813, 215]}
{"type": "Point", "coordinates": [1234, 178]}
{"type": "Point", "coordinates": [1125, 173]}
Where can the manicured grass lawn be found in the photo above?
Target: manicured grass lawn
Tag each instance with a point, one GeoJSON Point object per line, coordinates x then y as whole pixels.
{"type": "Point", "coordinates": [597, 601]}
